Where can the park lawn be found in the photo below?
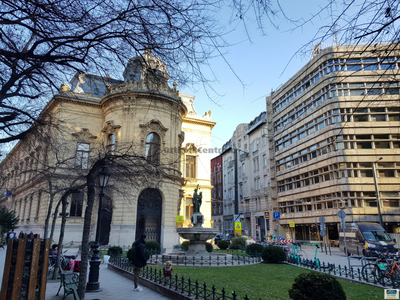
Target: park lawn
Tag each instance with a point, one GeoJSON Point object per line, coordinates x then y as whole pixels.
{"type": "Point", "coordinates": [265, 281]}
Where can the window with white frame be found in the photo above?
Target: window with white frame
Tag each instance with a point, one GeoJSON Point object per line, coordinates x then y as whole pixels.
{"type": "Point", "coordinates": [82, 156]}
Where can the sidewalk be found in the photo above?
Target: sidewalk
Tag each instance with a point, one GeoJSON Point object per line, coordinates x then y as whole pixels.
{"type": "Point", "coordinates": [113, 286]}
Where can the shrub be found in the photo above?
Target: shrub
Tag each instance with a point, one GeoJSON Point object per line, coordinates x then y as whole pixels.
{"type": "Point", "coordinates": [238, 242]}
{"type": "Point", "coordinates": [273, 254]}
{"type": "Point", "coordinates": [185, 245]}
{"type": "Point", "coordinates": [254, 249]}
{"type": "Point", "coordinates": [153, 247]}
{"type": "Point", "coordinates": [310, 286]}
{"type": "Point", "coordinates": [114, 251]}
{"type": "Point", "coordinates": [209, 247]}
{"type": "Point", "coordinates": [223, 244]}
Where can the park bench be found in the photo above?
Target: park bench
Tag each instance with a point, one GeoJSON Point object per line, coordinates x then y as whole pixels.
{"type": "Point", "coordinates": [69, 281]}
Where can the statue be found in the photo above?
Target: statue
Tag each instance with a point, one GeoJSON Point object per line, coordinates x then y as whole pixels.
{"type": "Point", "coordinates": [197, 200]}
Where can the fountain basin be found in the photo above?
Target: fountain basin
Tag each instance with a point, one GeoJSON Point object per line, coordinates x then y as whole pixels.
{"type": "Point", "coordinates": [197, 237]}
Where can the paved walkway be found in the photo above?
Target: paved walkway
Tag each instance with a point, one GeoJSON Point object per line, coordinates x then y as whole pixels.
{"type": "Point", "coordinates": [113, 286]}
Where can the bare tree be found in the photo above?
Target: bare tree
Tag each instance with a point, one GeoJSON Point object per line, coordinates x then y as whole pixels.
{"type": "Point", "coordinates": [42, 43]}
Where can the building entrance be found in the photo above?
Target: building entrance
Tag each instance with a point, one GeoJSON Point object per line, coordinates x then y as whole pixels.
{"type": "Point", "coordinates": [149, 211]}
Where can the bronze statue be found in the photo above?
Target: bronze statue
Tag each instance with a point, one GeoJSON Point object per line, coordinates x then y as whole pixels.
{"type": "Point", "coordinates": [197, 200]}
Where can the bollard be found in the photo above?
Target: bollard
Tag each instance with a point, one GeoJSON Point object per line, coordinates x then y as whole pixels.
{"type": "Point", "coordinates": [330, 253]}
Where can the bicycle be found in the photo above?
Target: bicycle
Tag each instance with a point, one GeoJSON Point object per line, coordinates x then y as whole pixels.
{"type": "Point", "coordinates": [378, 270]}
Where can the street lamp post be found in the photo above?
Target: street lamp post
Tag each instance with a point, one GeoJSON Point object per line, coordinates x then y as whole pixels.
{"type": "Point", "coordinates": [93, 284]}
{"type": "Point", "coordinates": [377, 192]}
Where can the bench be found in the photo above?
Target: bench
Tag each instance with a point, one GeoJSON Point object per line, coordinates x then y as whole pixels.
{"type": "Point", "coordinates": [69, 281]}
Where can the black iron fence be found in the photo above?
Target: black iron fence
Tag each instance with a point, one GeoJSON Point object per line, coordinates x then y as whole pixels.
{"type": "Point", "coordinates": [358, 274]}
{"type": "Point", "coordinates": [181, 285]}
{"type": "Point", "coordinates": [211, 260]}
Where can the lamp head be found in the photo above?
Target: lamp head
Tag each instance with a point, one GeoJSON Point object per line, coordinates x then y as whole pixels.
{"type": "Point", "coordinates": [104, 175]}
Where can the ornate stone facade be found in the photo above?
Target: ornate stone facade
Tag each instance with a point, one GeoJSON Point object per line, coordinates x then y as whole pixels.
{"type": "Point", "coordinates": [101, 114]}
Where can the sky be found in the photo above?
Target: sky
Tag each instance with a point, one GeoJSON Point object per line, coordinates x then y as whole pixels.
{"type": "Point", "coordinates": [262, 64]}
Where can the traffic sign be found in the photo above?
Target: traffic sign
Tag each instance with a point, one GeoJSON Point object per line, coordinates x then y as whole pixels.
{"type": "Point", "coordinates": [323, 226]}
{"type": "Point", "coordinates": [274, 236]}
{"type": "Point", "coordinates": [238, 226]}
{"type": "Point", "coordinates": [277, 215]}
{"type": "Point", "coordinates": [322, 219]}
{"type": "Point", "coordinates": [291, 224]}
{"type": "Point", "coordinates": [280, 238]}
{"type": "Point", "coordinates": [322, 233]}
{"type": "Point", "coordinates": [266, 214]}
{"type": "Point", "coordinates": [341, 214]}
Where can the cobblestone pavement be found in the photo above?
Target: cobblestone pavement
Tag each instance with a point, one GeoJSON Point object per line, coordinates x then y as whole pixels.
{"type": "Point", "coordinates": [113, 286]}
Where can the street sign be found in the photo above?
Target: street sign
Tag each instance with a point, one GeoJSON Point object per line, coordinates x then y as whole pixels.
{"type": "Point", "coordinates": [322, 219]}
{"type": "Point", "coordinates": [274, 236]}
{"type": "Point", "coordinates": [291, 224]}
{"type": "Point", "coordinates": [280, 238]}
{"type": "Point", "coordinates": [322, 233]}
{"type": "Point", "coordinates": [323, 227]}
{"type": "Point", "coordinates": [277, 215]}
{"type": "Point", "coordinates": [238, 226]}
{"type": "Point", "coordinates": [179, 221]}
{"type": "Point", "coordinates": [266, 214]}
{"type": "Point", "coordinates": [267, 232]}
{"type": "Point", "coordinates": [341, 214]}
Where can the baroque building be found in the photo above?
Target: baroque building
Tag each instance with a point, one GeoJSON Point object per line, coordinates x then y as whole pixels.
{"type": "Point", "coordinates": [334, 127]}
{"type": "Point", "coordinates": [150, 131]}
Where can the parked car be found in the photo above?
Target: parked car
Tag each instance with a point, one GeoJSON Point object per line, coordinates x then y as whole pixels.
{"type": "Point", "coordinates": [249, 240]}
{"type": "Point", "coordinates": [219, 237]}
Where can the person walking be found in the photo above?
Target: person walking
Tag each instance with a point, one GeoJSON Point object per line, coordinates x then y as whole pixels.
{"type": "Point", "coordinates": [140, 260]}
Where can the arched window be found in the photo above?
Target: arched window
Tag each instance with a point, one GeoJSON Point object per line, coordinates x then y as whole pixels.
{"type": "Point", "coordinates": [111, 143]}
{"type": "Point", "coordinates": [153, 148]}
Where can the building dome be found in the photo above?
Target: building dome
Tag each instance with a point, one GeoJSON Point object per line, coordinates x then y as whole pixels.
{"type": "Point", "coordinates": [138, 66]}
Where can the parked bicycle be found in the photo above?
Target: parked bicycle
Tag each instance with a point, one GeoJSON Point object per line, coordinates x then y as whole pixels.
{"type": "Point", "coordinates": [384, 270]}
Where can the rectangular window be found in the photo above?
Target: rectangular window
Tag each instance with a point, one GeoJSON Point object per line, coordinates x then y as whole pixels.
{"type": "Point", "coordinates": [394, 117]}
{"type": "Point", "coordinates": [190, 166]}
{"type": "Point", "coordinates": [82, 156]}
{"type": "Point", "coordinates": [357, 92]}
{"type": "Point", "coordinates": [76, 204]}
{"type": "Point", "coordinates": [364, 145]}
{"type": "Point", "coordinates": [386, 173]}
{"type": "Point", "coordinates": [378, 118]}
{"type": "Point", "coordinates": [366, 173]}
{"type": "Point", "coordinates": [360, 118]}
{"type": "Point", "coordinates": [382, 145]}
{"type": "Point", "coordinates": [189, 208]}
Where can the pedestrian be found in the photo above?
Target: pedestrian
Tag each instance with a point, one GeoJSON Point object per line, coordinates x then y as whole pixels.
{"type": "Point", "coordinates": [139, 261]}
{"type": "Point", "coordinates": [21, 235]}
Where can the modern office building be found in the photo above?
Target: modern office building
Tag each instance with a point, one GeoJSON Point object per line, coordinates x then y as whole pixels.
{"type": "Point", "coordinates": [335, 125]}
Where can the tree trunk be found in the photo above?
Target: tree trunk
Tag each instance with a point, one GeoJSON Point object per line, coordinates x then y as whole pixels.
{"type": "Point", "coordinates": [90, 179]}
{"type": "Point", "coordinates": [53, 224]}
{"type": "Point", "coordinates": [62, 229]}
{"type": "Point", "coordinates": [46, 222]}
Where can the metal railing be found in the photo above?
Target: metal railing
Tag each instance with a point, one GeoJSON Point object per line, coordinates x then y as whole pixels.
{"type": "Point", "coordinates": [345, 272]}
{"type": "Point", "coordinates": [181, 285]}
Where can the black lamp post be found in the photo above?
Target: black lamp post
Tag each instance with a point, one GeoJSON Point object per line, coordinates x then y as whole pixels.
{"type": "Point", "coordinates": [93, 284]}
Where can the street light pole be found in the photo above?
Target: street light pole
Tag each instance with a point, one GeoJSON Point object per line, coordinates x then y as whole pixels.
{"type": "Point", "coordinates": [377, 193]}
{"type": "Point", "coordinates": [93, 284]}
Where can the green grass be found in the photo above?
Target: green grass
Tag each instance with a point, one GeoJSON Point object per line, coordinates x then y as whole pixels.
{"type": "Point", "coordinates": [265, 281]}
